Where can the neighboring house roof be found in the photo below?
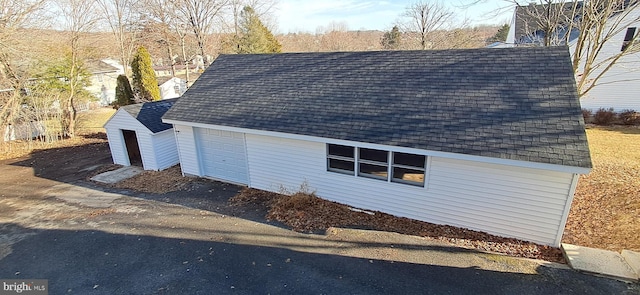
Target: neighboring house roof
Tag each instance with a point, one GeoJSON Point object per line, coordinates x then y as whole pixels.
{"type": "Point", "coordinates": [509, 103]}
{"type": "Point", "coordinates": [150, 113]}
{"type": "Point", "coordinates": [99, 66]}
{"type": "Point", "coordinates": [528, 18]}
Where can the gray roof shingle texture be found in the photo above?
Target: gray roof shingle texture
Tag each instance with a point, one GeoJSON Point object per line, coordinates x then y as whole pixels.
{"type": "Point", "coordinates": [150, 113]}
{"type": "Point", "coordinates": [511, 103]}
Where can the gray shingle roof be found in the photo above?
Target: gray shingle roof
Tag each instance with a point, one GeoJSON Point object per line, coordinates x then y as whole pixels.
{"type": "Point", "coordinates": [510, 103]}
{"type": "Point", "coordinates": [150, 113]}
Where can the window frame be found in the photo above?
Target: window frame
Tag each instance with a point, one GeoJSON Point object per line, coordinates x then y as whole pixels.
{"type": "Point", "coordinates": [422, 169]}
{"type": "Point", "coordinates": [629, 37]}
{"type": "Point", "coordinates": [341, 158]}
{"type": "Point", "coordinates": [373, 163]}
{"type": "Point", "coordinates": [390, 165]}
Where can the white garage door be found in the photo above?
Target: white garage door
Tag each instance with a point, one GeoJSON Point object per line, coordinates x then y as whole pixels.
{"type": "Point", "coordinates": [223, 155]}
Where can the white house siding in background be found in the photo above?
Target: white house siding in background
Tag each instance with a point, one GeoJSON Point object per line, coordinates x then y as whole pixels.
{"type": "Point", "coordinates": [525, 203]}
{"type": "Point", "coordinates": [619, 87]}
{"type": "Point", "coordinates": [172, 88]}
{"type": "Point", "coordinates": [158, 151]}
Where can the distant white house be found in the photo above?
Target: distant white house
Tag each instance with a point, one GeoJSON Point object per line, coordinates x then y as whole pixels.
{"type": "Point", "coordinates": [104, 75]}
{"type": "Point", "coordinates": [172, 88]}
{"type": "Point", "coordinates": [619, 86]}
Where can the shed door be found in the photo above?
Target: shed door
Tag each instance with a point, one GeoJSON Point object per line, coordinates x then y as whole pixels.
{"type": "Point", "coordinates": [223, 155]}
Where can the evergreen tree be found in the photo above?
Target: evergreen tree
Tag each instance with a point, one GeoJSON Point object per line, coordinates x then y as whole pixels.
{"type": "Point", "coordinates": [391, 40]}
{"type": "Point", "coordinates": [144, 82]}
{"type": "Point", "coordinates": [255, 38]}
{"type": "Point", "coordinates": [124, 94]}
{"type": "Point", "coordinates": [501, 35]}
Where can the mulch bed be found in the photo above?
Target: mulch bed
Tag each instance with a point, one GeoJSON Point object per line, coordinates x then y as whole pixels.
{"type": "Point", "coordinates": [308, 213]}
{"type": "Point", "coordinates": [157, 182]}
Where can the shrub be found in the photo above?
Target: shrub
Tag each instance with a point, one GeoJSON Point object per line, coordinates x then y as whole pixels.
{"type": "Point", "coordinates": [629, 117]}
{"type": "Point", "coordinates": [586, 114]}
{"type": "Point", "coordinates": [604, 116]}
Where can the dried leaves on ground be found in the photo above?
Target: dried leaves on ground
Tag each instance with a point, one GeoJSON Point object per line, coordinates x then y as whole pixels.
{"type": "Point", "coordinates": [605, 212]}
{"type": "Point", "coordinates": [157, 182]}
{"type": "Point", "coordinates": [308, 213]}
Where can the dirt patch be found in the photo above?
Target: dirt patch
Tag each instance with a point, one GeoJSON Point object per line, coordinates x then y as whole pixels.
{"type": "Point", "coordinates": [308, 213]}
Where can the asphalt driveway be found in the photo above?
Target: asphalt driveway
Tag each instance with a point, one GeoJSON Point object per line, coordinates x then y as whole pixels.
{"type": "Point", "coordinates": [88, 239]}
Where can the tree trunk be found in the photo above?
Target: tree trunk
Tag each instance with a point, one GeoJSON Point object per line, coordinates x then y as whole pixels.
{"type": "Point", "coordinates": [186, 62]}
{"type": "Point", "coordinates": [173, 65]}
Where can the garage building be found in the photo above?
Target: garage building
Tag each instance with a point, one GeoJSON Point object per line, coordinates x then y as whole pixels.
{"type": "Point", "coordinates": [487, 139]}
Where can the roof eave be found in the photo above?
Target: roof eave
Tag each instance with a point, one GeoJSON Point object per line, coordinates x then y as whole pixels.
{"type": "Point", "coordinates": [484, 159]}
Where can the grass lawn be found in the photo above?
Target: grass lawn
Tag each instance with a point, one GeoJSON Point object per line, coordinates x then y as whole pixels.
{"type": "Point", "coordinates": [606, 209]}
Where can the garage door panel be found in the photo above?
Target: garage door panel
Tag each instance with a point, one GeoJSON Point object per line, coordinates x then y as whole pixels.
{"type": "Point", "coordinates": [223, 155]}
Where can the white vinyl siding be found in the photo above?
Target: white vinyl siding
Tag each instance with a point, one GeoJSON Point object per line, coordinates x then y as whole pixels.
{"type": "Point", "coordinates": [158, 151]}
{"type": "Point", "coordinates": [122, 120]}
{"type": "Point", "coordinates": [510, 201]}
{"type": "Point", "coordinates": [619, 88]}
{"type": "Point", "coordinates": [187, 150]}
{"type": "Point", "coordinates": [117, 146]}
{"type": "Point", "coordinates": [165, 149]}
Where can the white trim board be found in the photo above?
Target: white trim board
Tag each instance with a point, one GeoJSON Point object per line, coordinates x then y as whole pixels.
{"type": "Point", "coordinates": [517, 163]}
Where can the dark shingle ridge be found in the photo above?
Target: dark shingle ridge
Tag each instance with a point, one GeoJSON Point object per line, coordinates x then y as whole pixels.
{"type": "Point", "coordinates": [510, 103]}
{"type": "Point", "coordinates": [150, 113]}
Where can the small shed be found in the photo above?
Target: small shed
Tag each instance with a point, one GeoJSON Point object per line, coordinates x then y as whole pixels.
{"type": "Point", "coordinates": [137, 136]}
{"type": "Point", "coordinates": [487, 139]}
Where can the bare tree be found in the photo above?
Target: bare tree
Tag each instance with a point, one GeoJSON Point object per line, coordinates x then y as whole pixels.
{"type": "Point", "coordinates": [588, 27]}
{"type": "Point", "coordinates": [426, 17]}
{"type": "Point", "coordinates": [549, 23]}
{"type": "Point", "coordinates": [263, 9]}
{"type": "Point", "coordinates": [201, 16]}
{"type": "Point", "coordinates": [14, 16]}
{"type": "Point", "coordinates": [122, 18]}
{"type": "Point", "coordinates": [79, 18]}
{"type": "Point", "coordinates": [160, 16]}
{"type": "Point", "coordinates": [600, 21]}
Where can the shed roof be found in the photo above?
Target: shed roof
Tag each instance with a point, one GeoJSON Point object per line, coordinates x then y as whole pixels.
{"type": "Point", "coordinates": [150, 113]}
{"type": "Point", "coordinates": [509, 103]}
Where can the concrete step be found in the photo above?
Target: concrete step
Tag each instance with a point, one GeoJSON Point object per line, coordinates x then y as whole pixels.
{"type": "Point", "coordinates": [633, 259]}
{"type": "Point", "coordinates": [118, 174]}
{"type": "Point", "coordinates": [600, 262]}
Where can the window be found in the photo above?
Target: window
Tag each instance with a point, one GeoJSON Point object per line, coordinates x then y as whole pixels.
{"type": "Point", "coordinates": [628, 38]}
{"type": "Point", "coordinates": [341, 158]}
{"type": "Point", "coordinates": [373, 163]}
{"type": "Point", "coordinates": [408, 168]}
{"type": "Point", "coordinates": [377, 164]}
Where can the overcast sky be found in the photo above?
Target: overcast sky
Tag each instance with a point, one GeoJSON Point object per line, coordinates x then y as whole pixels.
{"type": "Point", "coordinates": [307, 15]}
